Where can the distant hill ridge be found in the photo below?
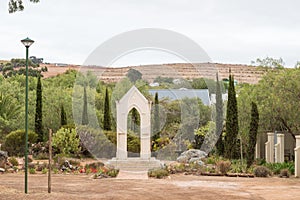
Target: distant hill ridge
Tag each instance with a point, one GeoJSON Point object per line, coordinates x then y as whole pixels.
{"type": "Point", "coordinates": [242, 73]}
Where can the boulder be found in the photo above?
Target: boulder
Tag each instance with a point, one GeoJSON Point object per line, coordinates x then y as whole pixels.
{"type": "Point", "coordinates": [3, 158]}
{"type": "Point", "coordinates": [191, 156]}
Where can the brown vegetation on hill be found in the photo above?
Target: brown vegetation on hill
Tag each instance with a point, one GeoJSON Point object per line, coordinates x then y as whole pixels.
{"type": "Point", "coordinates": [242, 73]}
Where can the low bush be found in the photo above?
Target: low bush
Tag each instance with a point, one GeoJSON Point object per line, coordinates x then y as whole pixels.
{"type": "Point", "coordinates": [67, 141]}
{"type": "Point", "coordinates": [55, 170]}
{"type": "Point", "coordinates": [223, 166]}
{"type": "Point", "coordinates": [277, 167]}
{"type": "Point", "coordinates": [284, 173]}
{"type": "Point", "coordinates": [211, 160]}
{"type": "Point", "coordinates": [14, 142]}
{"type": "Point", "coordinates": [237, 166]}
{"type": "Point", "coordinates": [261, 171]}
{"type": "Point", "coordinates": [94, 165]}
{"type": "Point", "coordinates": [45, 171]}
{"type": "Point", "coordinates": [13, 161]}
{"type": "Point", "coordinates": [32, 171]}
{"type": "Point", "coordinates": [40, 167]}
{"type": "Point", "coordinates": [112, 173]}
{"type": "Point", "coordinates": [158, 173]}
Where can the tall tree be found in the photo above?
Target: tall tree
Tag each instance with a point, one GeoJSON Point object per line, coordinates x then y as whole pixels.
{"type": "Point", "coordinates": [85, 119]}
{"type": "Point", "coordinates": [135, 120]}
{"type": "Point", "coordinates": [134, 75]}
{"type": "Point", "coordinates": [232, 127]}
{"type": "Point", "coordinates": [17, 5]}
{"type": "Point", "coordinates": [252, 134]}
{"type": "Point", "coordinates": [277, 96]}
{"type": "Point", "coordinates": [106, 120]}
{"type": "Point", "coordinates": [219, 118]}
{"type": "Point", "coordinates": [63, 116]}
{"type": "Point", "coordinates": [39, 111]}
{"type": "Point", "coordinates": [156, 121]}
{"type": "Point", "coordinates": [269, 62]}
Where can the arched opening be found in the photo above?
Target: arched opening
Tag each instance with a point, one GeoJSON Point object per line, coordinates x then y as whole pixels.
{"type": "Point", "coordinates": [133, 133]}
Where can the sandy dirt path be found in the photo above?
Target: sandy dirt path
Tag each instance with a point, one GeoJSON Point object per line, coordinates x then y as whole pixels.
{"type": "Point", "coordinates": [175, 187]}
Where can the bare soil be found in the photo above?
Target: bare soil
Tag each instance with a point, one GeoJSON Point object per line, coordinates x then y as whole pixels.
{"type": "Point", "coordinates": [175, 187]}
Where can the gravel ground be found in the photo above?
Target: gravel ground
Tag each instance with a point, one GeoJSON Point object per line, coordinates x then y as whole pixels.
{"type": "Point", "coordinates": [174, 187]}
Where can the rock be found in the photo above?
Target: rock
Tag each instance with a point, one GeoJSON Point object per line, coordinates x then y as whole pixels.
{"type": "Point", "coordinates": [200, 162]}
{"type": "Point", "coordinates": [192, 160]}
{"type": "Point", "coordinates": [3, 158]}
{"type": "Point", "coordinates": [63, 168]}
{"type": "Point", "coordinates": [192, 155]}
{"type": "Point", "coordinates": [11, 170]}
{"type": "Point", "coordinates": [182, 159]}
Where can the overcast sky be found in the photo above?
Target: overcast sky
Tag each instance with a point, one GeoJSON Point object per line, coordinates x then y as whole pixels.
{"type": "Point", "coordinates": [231, 31]}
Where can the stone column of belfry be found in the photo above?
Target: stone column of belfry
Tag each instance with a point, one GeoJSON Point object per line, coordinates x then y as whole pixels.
{"type": "Point", "coordinates": [297, 157]}
{"type": "Point", "coordinates": [269, 146]}
{"type": "Point", "coordinates": [257, 148]}
{"type": "Point", "coordinates": [279, 149]}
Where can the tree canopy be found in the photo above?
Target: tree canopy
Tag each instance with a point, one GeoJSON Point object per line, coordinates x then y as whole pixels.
{"type": "Point", "coordinates": [17, 5]}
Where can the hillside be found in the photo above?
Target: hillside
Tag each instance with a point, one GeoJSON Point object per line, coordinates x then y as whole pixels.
{"type": "Point", "coordinates": [242, 73]}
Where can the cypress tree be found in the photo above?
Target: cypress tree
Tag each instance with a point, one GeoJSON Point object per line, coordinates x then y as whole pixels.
{"type": "Point", "coordinates": [135, 120]}
{"type": "Point", "coordinates": [39, 111]}
{"type": "Point", "coordinates": [63, 116]}
{"type": "Point", "coordinates": [232, 127]}
{"type": "Point", "coordinates": [156, 122]}
{"type": "Point", "coordinates": [85, 120]}
{"type": "Point", "coordinates": [106, 120]}
{"type": "Point", "coordinates": [252, 134]}
{"type": "Point", "coordinates": [219, 118]}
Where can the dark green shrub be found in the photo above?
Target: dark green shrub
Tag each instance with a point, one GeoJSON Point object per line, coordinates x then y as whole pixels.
{"type": "Point", "coordinates": [13, 161]}
{"type": "Point", "coordinates": [14, 142]}
{"type": "Point", "coordinates": [158, 173]}
{"type": "Point", "coordinates": [261, 171]}
{"type": "Point", "coordinates": [277, 167]}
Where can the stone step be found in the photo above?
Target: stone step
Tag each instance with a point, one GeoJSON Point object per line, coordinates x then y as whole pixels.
{"type": "Point", "coordinates": [135, 164]}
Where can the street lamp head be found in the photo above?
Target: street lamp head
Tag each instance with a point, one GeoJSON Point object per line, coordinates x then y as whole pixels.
{"type": "Point", "coordinates": [27, 42]}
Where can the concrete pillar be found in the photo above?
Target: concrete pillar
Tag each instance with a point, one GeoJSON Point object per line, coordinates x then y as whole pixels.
{"type": "Point", "coordinates": [145, 147]}
{"type": "Point", "coordinates": [297, 157]}
{"type": "Point", "coordinates": [257, 148]}
{"type": "Point", "coordinates": [145, 137]}
{"type": "Point", "coordinates": [279, 149]}
{"type": "Point", "coordinates": [269, 146]}
{"type": "Point", "coordinates": [122, 146]}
